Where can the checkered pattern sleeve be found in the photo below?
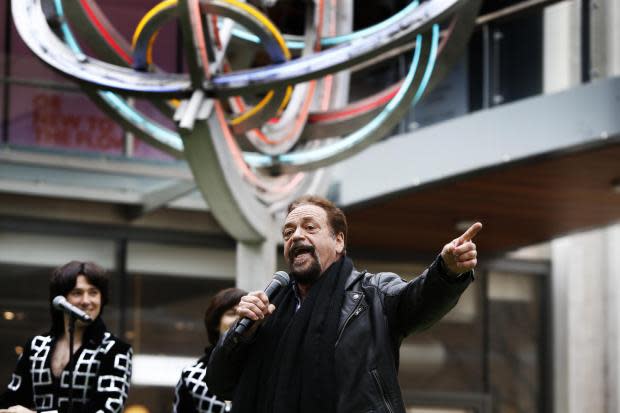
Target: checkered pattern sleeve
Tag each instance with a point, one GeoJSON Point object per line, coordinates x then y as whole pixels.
{"type": "Point", "coordinates": [192, 394]}
{"type": "Point", "coordinates": [19, 389]}
{"type": "Point", "coordinates": [183, 402]}
{"type": "Point", "coordinates": [112, 386]}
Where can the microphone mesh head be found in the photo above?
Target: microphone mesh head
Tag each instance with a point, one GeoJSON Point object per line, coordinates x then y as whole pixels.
{"type": "Point", "coordinates": [282, 277]}
{"type": "Point", "coordinates": [58, 300]}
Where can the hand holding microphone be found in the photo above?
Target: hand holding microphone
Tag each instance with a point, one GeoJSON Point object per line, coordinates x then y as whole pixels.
{"type": "Point", "coordinates": [60, 303]}
{"type": "Point", "coordinates": [255, 306]}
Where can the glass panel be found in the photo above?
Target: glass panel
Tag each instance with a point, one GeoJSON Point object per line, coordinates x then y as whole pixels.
{"type": "Point", "coordinates": [449, 99]}
{"type": "Point", "coordinates": [447, 356]}
{"type": "Point", "coordinates": [515, 342]}
{"type": "Point", "coordinates": [167, 314]}
{"type": "Point", "coordinates": [45, 118]}
{"type": "Point", "coordinates": [166, 328]}
{"type": "Point", "coordinates": [509, 44]}
{"type": "Point", "coordinates": [24, 312]}
{"type": "Point", "coordinates": [150, 399]}
{"type": "Point", "coordinates": [52, 112]}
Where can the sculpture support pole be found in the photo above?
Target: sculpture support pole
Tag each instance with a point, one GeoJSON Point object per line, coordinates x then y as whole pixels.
{"type": "Point", "coordinates": [256, 261]}
{"type": "Point", "coordinates": [232, 204]}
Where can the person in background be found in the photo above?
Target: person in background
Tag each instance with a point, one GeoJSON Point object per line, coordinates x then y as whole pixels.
{"type": "Point", "coordinates": [192, 394]}
{"type": "Point", "coordinates": [102, 370]}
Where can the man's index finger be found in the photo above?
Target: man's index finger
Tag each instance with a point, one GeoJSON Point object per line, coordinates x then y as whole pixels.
{"type": "Point", "coordinates": [471, 232]}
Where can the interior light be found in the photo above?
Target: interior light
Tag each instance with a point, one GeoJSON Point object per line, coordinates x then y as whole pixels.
{"type": "Point", "coordinates": [19, 350]}
{"type": "Point", "coordinates": [137, 408]}
{"type": "Point", "coordinates": [158, 370]}
{"type": "Point", "coordinates": [8, 315]}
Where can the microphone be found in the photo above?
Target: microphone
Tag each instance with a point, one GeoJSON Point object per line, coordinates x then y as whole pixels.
{"type": "Point", "coordinates": [280, 280]}
{"type": "Point", "coordinates": [60, 303]}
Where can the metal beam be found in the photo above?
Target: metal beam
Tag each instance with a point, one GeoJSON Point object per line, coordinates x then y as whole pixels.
{"type": "Point", "coordinates": [81, 162]}
{"type": "Point", "coordinates": [543, 124]}
{"type": "Point", "coordinates": [80, 228]}
{"type": "Point", "coordinates": [114, 182]}
{"type": "Point", "coordinates": [514, 11]}
{"type": "Point", "coordinates": [161, 197]}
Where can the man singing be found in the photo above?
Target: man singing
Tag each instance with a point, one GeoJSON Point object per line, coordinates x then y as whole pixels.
{"type": "Point", "coordinates": [329, 341]}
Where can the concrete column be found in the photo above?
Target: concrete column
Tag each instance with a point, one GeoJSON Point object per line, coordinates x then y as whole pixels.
{"type": "Point", "coordinates": [613, 318]}
{"type": "Point", "coordinates": [256, 263]}
{"type": "Point", "coordinates": [562, 43]}
{"type": "Point", "coordinates": [561, 46]}
{"type": "Point", "coordinates": [605, 38]}
{"type": "Point", "coordinates": [344, 25]}
{"type": "Point", "coordinates": [613, 37]}
{"type": "Point", "coordinates": [586, 302]}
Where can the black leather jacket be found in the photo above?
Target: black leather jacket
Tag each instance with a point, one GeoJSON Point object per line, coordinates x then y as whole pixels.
{"type": "Point", "coordinates": [379, 310]}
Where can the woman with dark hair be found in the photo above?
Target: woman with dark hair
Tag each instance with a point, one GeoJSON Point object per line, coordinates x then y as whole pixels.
{"type": "Point", "coordinates": [191, 394]}
{"type": "Point", "coordinates": [102, 367]}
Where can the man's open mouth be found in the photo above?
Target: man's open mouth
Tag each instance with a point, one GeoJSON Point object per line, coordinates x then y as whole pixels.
{"type": "Point", "coordinates": [298, 251]}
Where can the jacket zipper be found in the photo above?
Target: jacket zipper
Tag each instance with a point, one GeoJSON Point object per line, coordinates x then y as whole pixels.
{"type": "Point", "coordinates": [355, 313]}
{"type": "Point", "coordinates": [375, 375]}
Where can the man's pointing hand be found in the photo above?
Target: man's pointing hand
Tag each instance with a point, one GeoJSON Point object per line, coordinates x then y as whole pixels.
{"type": "Point", "coordinates": [460, 254]}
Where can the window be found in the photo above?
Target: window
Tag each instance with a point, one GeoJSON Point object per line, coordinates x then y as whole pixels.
{"type": "Point", "coordinates": [490, 354]}
{"type": "Point", "coordinates": [505, 58]}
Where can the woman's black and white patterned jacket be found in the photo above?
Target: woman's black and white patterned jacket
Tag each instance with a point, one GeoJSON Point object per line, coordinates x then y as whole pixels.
{"type": "Point", "coordinates": [100, 379]}
{"type": "Point", "coordinates": [192, 395]}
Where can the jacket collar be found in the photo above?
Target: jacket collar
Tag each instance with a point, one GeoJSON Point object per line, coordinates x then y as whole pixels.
{"type": "Point", "coordinates": [353, 278]}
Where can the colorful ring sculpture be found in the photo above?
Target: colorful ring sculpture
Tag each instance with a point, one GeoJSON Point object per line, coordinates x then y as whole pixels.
{"type": "Point", "coordinates": [249, 159]}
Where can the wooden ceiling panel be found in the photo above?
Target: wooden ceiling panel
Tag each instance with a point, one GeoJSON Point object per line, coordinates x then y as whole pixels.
{"type": "Point", "coordinates": [519, 204]}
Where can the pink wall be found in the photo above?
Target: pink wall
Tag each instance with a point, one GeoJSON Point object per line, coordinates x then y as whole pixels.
{"type": "Point", "coordinates": [68, 120]}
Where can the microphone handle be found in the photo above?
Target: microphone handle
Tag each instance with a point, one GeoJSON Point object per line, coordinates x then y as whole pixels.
{"type": "Point", "coordinates": [245, 323]}
{"type": "Point", "coordinates": [61, 303]}
{"type": "Point", "coordinates": [77, 313]}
